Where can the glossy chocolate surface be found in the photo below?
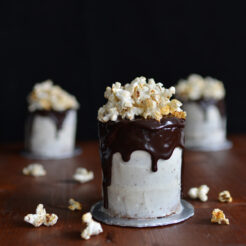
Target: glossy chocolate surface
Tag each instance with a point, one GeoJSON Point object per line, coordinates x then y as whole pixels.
{"type": "Point", "coordinates": [126, 136]}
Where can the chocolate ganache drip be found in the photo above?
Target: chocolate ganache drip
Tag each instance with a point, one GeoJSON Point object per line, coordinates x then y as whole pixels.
{"type": "Point", "coordinates": [126, 136]}
{"type": "Point", "coordinates": [205, 103]}
{"type": "Point", "coordinates": [57, 117]}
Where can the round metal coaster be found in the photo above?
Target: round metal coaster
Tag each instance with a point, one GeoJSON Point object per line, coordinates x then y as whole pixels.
{"type": "Point", "coordinates": [99, 214]}
{"type": "Point", "coordinates": [223, 146]}
{"type": "Point", "coordinates": [29, 155]}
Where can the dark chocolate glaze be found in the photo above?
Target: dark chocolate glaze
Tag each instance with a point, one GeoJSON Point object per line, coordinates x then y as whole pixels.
{"type": "Point", "coordinates": [125, 136]}
{"type": "Point", "coordinates": [205, 103]}
{"type": "Point", "coordinates": [57, 117]}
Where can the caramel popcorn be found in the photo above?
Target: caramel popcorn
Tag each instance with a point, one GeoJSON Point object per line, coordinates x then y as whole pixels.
{"type": "Point", "coordinates": [34, 169]}
{"type": "Point", "coordinates": [82, 175]}
{"type": "Point", "coordinates": [200, 193]}
{"type": "Point", "coordinates": [50, 219]}
{"type": "Point", "coordinates": [46, 96]}
{"type": "Point", "coordinates": [218, 216]}
{"type": "Point", "coordinates": [139, 98]}
{"type": "Point", "coordinates": [41, 217]}
{"type": "Point", "coordinates": [92, 227]}
{"type": "Point", "coordinates": [225, 196]}
{"type": "Point", "coordinates": [74, 205]}
{"type": "Point", "coordinates": [196, 87]}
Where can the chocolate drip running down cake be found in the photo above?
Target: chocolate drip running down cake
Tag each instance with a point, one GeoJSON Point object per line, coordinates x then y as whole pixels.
{"type": "Point", "coordinates": [51, 122]}
{"type": "Point", "coordinates": [203, 100]}
{"type": "Point", "coordinates": [141, 143]}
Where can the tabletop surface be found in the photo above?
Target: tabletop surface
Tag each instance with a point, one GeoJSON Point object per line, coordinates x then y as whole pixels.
{"type": "Point", "coordinates": [19, 195]}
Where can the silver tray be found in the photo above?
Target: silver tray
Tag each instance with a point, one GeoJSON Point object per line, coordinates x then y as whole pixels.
{"type": "Point", "coordinates": [99, 213]}
{"type": "Point", "coordinates": [29, 155]}
{"type": "Point", "coordinates": [223, 146]}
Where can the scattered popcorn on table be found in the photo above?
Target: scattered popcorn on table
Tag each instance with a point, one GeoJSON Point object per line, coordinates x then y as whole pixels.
{"type": "Point", "coordinates": [83, 175]}
{"type": "Point", "coordinates": [92, 228]}
{"type": "Point", "coordinates": [41, 217]}
{"type": "Point", "coordinates": [225, 196]}
{"type": "Point", "coordinates": [34, 169]}
{"type": "Point", "coordinates": [218, 216]}
{"type": "Point", "coordinates": [50, 219]}
{"type": "Point", "coordinates": [74, 205]}
{"type": "Point", "coordinates": [200, 193]}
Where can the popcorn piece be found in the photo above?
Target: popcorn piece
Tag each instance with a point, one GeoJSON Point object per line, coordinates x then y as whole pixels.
{"type": "Point", "coordinates": [139, 98]}
{"type": "Point", "coordinates": [200, 193]}
{"type": "Point", "coordinates": [74, 205]}
{"type": "Point", "coordinates": [92, 227]}
{"type": "Point", "coordinates": [38, 218]}
{"type": "Point", "coordinates": [34, 169]}
{"type": "Point", "coordinates": [218, 216]}
{"type": "Point", "coordinates": [225, 196]}
{"type": "Point", "coordinates": [50, 219]}
{"type": "Point", "coordinates": [41, 217]}
{"type": "Point", "coordinates": [193, 193]}
{"type": "Point", "coordinates": [196, 87]}
{"type": "Point", "coordinates": [46, 96]}
{"type": "Point", "coordinates": [83, 175]}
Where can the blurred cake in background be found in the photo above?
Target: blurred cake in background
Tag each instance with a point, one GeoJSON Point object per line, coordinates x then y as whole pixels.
{"type": "Point", "coordinates": [51, 123]}
{"type": "Point", "coordinates": [203, 100]}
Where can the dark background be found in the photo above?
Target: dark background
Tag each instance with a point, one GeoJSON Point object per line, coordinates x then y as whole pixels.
{"type": "Point", "coordinates": [85, 45]}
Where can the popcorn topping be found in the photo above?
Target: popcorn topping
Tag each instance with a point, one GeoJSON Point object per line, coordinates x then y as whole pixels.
{"type": "Point", "coordinates": [225, 196]}
{"type": "Point", "coordinates": [218, 216]}
{"type": "Point", "coordinates": [41, 217]}
{"type": "Point", "coordinates": [196, 87]}
{"type": "Point", "coordinates": [92, 227]}
{"type": "Point", "coordinates": [74, 205]}
{"type": "Point", "coordinates": [200, 193]}
{"type": "Point", "coordinates": [34, 169]}
{"type": "Point", "coordinates": [83, 175]}
{"type": "Point", "coordinates": [139, 98]}
{"type": "Point", "coordinates": [46, 96]}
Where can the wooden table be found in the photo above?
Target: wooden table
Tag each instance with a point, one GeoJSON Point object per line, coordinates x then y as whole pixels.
{"type": "Point", "coordinates": [19, 195]}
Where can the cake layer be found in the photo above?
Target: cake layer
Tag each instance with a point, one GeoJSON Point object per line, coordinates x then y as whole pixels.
{"type": "Point", "coordinates": [138, 192]}
{"type": "Point", "coordinates": [49, 137]}
{"type": "Point", "coordinates": [204, 125]}
{"type": "Point", "coordinates": [159, 139]}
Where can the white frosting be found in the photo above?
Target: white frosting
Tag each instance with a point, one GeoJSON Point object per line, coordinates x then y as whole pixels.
{"type": "Point", "coordinates": [139, 98]}
{"type": "Point", "coordinates": [196, 87]}
{"type": "Point", "coordinates": [203, 128]}
{"type": "Point", "coordinates": [45, 140]}
{"type": "Point", "coordinates": [138, 192]}
{"type": "Point", "coordinates": [46, 96]}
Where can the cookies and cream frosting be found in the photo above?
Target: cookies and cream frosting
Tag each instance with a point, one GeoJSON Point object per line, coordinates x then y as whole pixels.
{"type": "Point", "coordinates": [196, 87]}
{"type": "Point", "coordinates": [47, 96]}
{"type": "Point", "coordinates": [147, 99]}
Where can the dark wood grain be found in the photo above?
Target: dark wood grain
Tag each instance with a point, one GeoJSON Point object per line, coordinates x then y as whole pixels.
{"type": "Point", "coordinates": [20, 195]}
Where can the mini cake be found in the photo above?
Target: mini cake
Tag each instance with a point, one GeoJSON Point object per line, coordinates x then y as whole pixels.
{"type": "Point", "coordinates": [51, 123]}
{"type": "Point", "coordinates": [203, 100]}
{"type": "Point", "coordinates": [141, 143]}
